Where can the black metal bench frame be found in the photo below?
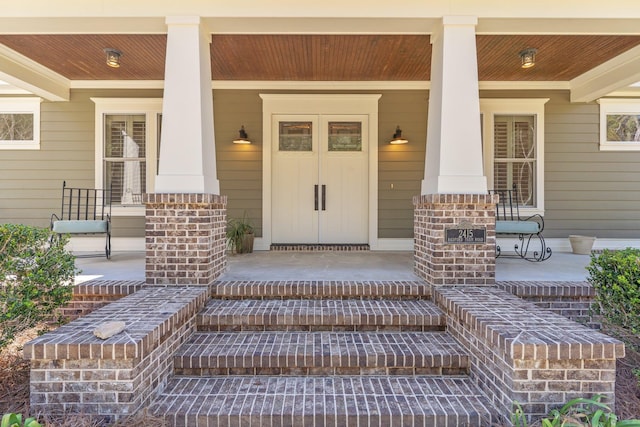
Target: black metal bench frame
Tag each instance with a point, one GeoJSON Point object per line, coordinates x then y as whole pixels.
{"type": "Point", "coordinates": [509, 222]}
{"type": "Point", "coordinates": [85, 211]}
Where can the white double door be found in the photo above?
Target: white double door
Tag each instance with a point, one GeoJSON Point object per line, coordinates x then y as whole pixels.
{"type": "Point", "coordinates": [320, 189]}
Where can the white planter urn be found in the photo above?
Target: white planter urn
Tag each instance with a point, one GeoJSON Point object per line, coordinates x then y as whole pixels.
{"type": "Point", "coordinates": [581, 245]}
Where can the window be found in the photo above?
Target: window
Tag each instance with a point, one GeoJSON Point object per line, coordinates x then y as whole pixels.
{"type": "Point", "coordinates": [127, 146]}
{"type": "Point", "coordinates": [296, 136]}
{"type": "Point", "coordinates": [20, 123]}
{"type": "Point", "coordinates": [619, 124]}
{"type": "Point", "coordinates": [513, 145]}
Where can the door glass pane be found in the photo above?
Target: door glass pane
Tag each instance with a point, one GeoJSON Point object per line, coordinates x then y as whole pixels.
{"type": "Point", "coordinates": [295, 136]}
{"type": "Point", "coordinates": [345, 136]}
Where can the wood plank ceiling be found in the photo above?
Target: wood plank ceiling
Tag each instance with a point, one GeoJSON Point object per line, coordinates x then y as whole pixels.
{"type": "Point", "coordinates": [319, 57]}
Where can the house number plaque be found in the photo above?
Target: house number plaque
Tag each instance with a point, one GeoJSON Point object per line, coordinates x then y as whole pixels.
{"type": "Point", "coordinates": [465, 233]}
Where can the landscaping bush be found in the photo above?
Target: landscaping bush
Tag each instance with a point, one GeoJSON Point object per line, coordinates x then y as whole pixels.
{"type": "Point", "coordinates": [36, 277]}
{"type": "Point", "coordinates": [615, 276]}
{"type": "Point", "coordinates": [580, 412]}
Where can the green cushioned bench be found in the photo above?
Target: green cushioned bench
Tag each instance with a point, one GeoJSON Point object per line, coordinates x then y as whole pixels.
{"type": "Point", "coordinates": [84, 211]}
{"type": "Point", "coordinates": [517, 227]}
{"type": "Point", "coordinates": [509, 222]}
{"type": "Point", "coordinates": [80, 226]}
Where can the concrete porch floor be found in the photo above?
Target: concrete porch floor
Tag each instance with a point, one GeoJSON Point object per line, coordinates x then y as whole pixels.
{"type": "Point", "coordinates": [373, 265]}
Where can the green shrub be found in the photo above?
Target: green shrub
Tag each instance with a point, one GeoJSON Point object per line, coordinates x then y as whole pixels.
{"type": "Point", "coordinates": [15, 420]}
{"type": "Point", "coordinates": [36, 277]}
{"type": "Point", "coordinates": [580, 412]}
{"type": "Point", "coordinates": [615, 276]}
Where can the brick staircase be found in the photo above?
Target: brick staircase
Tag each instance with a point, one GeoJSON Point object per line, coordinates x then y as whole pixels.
{"type": "Point", "coordinates": [322, 353]}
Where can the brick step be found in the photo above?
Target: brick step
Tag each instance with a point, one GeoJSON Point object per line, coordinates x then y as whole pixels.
{"type": "Point", "coordinates": [316, 400]}
{"type": "Point", "coordinates": [321, 315]}
{"type": "Point", "coordinates": [321, 353]}
{"type": "Point", "coordinates": [321, 289]}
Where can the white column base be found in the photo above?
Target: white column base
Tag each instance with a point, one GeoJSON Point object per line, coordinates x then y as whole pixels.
{"type": "Point", "coordinates": [448, 184]}
{"type": "Point", "coordinates": [195, 184]}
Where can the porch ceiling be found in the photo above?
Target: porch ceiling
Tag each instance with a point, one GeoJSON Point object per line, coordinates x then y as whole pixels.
{"type": "Point", "coordinates": [319, 57]}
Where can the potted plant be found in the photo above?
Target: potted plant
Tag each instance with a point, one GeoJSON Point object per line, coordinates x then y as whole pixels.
{"type": "Point", "coordinates": [240, 235]}
{"type": "Point", "coordinates": [581, 244]}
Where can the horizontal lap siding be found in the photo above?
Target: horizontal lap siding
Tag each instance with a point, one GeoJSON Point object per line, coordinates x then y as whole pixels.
{"type": "Point", "coordinates": [31, 180]}
{"type": "Point", "coordinates": [400, 166]}
{"type": "Point", "coordinates": [587, 191]}
{"type": "Point", "coordinates": [240, 166]}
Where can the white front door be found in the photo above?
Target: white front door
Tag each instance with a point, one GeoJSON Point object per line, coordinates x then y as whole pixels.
{"type": "Point", "coordinates": [320, 191]}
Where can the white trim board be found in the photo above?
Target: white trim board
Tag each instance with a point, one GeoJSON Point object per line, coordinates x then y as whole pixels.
{"type": "Point", "coordinates": [137, 244]}
{"type": "Point", "coordinates": [96, 244]}
{"type": "Point", "coordinates": [319, 85]}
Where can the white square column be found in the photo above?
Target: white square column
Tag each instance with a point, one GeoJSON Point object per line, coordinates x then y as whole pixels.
{"type": "Point", "coordinates": [187, 148]}
{"type": "Point", "coordinates": [453, 163]}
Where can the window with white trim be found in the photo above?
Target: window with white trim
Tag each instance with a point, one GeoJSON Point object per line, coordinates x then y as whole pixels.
{"type": "Point", "coordinates": [513, 148]}
{"type": "Point", "coordinates": [619, 124]}
{"type": "Point", "coordinates": [127, 140]}
{"type": "Point", "coordinates": [20, 123]}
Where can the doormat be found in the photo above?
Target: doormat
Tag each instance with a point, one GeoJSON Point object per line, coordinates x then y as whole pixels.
{"type": "Point", "coordinates": [318, 247]}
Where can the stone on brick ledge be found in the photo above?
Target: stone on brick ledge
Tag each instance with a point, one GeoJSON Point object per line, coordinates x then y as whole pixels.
{"type": "Point", "coordinates": [108, 329]}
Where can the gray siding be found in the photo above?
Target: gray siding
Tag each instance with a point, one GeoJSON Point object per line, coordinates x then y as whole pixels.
{"type": "Point", "coordinates": [31, 180]}
{"type": "Point", "coordinates": [240, 166]}
{"type": "Point", "coordinates": [586, 191]}
{"type": "Point", "coordinates": [400, 165]}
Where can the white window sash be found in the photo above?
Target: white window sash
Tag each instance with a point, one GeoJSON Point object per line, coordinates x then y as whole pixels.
{"type": "Point", "coordinates": [617, 106]}
{"type": "Point", "coordinates": [490, 108]}
{"type": "Point", "coordinates": [25, 105]}
{"type": "Point", "coordinates": [151, 108]}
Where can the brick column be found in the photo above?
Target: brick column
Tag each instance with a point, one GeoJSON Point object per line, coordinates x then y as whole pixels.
{"type": "Point", "coordinates": [185, 238]}
{"type": "Point", "coordinates": [442, 263]}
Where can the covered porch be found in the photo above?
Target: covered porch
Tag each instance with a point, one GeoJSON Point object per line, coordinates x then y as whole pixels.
{"type": "Point", "coordinates": [360, 265]}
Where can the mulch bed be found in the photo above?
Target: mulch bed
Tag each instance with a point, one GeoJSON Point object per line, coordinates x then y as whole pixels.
{"type": "Point", "coordinates": [14, 392]}
{"type": "Point", "coordinates": [627, 383]}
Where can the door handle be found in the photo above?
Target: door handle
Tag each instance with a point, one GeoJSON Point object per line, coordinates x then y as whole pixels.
{"type": "Point", "coordinates": [324, 197]}
{"type": "Point", "coordinates": [315, 197]}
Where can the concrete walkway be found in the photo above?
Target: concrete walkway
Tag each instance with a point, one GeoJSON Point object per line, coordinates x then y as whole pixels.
{"type": "Point", "coordinates": [373, 265]}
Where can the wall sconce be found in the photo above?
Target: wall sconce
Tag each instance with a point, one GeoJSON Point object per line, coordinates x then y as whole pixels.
{"type": "Point", "coordinates": [242, 137]}
{"type": "Point", "coordinates": [397, 137]}
{"type": "Point", "coordinates": [113, 57]}
{"type": "Point", "coordinates": [528, 57]}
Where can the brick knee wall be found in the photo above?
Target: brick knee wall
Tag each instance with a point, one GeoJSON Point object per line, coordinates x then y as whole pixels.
{"type": "Point", "coordinates": [74, 371]}
{"type": "Point", "coordinates": [185, 238]}
{"type": "Point", "coordinates": [92, 295]}
{"type": "Point", "coordinates": [572, 300]}
{"type": "Point", "coordinates": [521, 353]}
{"type": "Point", "coordinates": [440, 263]}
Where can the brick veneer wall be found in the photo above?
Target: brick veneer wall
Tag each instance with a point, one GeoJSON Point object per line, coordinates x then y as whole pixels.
{"type": "Point", "coordinates": [94, 294]}
{"type": "Point", "coordinates": [572, 300]}
{"type": "Point", "coordinates": [185, 238]}
{"type": "Point", "coordinates": [440, 263]}
{"type": "Point", "coordinates": [72, 371]}
{"type": "Point", "coordinates": [522, 353]}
